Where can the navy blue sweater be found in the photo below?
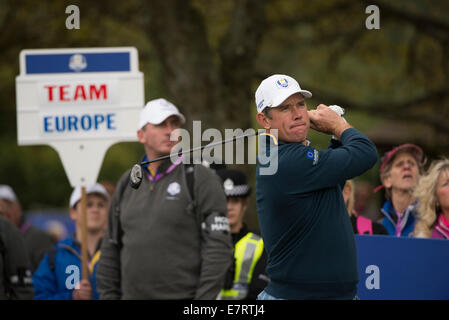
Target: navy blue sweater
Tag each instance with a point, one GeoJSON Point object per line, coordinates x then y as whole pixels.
{"type": "Point", "coordinates": [304, 222]}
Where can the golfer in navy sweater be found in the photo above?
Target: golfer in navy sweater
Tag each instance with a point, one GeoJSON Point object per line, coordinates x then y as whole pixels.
{"type": "Point", "coordinates": [303, 219]}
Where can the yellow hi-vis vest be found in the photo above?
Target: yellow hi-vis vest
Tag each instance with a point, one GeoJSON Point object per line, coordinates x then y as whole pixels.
{"type": "Point", "coordinates": [247, 252]}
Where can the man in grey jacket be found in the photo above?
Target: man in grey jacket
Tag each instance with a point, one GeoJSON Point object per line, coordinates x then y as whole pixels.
{"type": "Point", "coordinates": [163, 242]}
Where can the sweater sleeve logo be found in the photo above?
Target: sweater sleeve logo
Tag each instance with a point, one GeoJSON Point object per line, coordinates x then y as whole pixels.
{"type": "Point", "coordinates": [313, 155]}
{"type": "Point", "coordinates": [216, 222]}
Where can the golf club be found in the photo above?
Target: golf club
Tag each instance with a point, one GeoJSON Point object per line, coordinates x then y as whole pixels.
{"type": "Point", "coordinates": [136, 174]}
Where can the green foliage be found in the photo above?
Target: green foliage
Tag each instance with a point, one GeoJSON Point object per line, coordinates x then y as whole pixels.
{"type": "Point", "coordinates": [36, 172]}
{"type": "Point", "coordinates": [399, 72]}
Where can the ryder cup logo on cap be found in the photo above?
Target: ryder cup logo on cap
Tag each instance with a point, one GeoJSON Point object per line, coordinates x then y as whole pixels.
{"type": "Point", "coordinates": [275, 89]}
{"type": "Point", "coordinates": [77, 62]}
{"type": "Point", "coordinates": [282, 82]}
{"type": "Point", "coordinates": [156, 111]}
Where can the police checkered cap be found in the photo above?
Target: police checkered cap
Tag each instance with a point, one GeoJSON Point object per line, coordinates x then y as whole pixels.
{"type": "Point", "coordinates": [234, 183]}
{"type": "Point", "coordinates": [275, 89]}
{"type": "Point", "coordinates": [156, 111]}
{"type": "Point", "coordinates": [93, 189]}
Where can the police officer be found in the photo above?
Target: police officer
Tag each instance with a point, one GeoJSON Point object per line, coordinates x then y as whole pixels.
{"type": "Point", "coordinates": [246, 278]}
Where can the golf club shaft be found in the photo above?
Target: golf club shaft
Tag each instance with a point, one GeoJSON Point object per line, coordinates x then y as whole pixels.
{"type": "Point", "coordinates": [200, 148]}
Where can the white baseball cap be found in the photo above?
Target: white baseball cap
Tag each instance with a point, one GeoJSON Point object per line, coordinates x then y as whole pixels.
{"type": "Point", "coordinates": [6, 193]}
{"type": "Point", "coordinates": [275, 89]}
{"type": "Point", "coordinates": [156, 111]}
{"type": "Point", "coordinates": [96, 188]}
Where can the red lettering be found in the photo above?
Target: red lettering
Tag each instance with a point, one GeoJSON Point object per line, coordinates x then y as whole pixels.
{"type": "Point", "coordinates": [63, 93]}
{"type": "Point", "coordinates": [50, 92]}
{"type": "Point", "coordinates": [97, 92]}
{"type": "Point", "coordinates": [79, 92]}
{"type": "Point", "coordinates": [67, 93]}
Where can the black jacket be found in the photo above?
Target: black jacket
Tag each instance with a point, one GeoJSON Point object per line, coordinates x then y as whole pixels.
{"type": "Point", "coordinates": [15, 275]}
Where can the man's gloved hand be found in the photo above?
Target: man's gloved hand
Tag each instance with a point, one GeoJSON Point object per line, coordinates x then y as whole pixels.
{"type": "Point", "coordinates": [340, 111]}
{"type": "Point", "coordinates": [326, 120]}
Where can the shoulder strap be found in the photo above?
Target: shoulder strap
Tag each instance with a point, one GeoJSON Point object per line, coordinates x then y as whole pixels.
{"type": "Point", "coordinates": [115, 231]}
{"type": "Point", "coordinates": [190, 178]}
{"type": "Point", "coordinates": [52, 258]}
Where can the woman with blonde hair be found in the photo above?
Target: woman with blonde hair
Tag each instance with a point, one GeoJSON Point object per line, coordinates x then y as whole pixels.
{"type": "Point", "coordinates": [432, 193]}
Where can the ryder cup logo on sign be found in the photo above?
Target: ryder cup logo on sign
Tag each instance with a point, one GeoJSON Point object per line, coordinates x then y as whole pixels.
{"type": "Point", "coordinates": [77, 62]}
{"type": "Point", "coordinates": [282, 83]}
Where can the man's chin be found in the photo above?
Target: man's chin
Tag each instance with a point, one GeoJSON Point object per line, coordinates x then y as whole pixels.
{"type": "Point", "coordinates": [297, 139]}
{"type": "Point", "coordinates": [165, 151]}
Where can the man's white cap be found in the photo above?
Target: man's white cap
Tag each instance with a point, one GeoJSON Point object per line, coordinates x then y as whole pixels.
{"type": "Point", "coordinates": [6, 193]}
{"type": "Point", "coordinates": [275, 89]}
{"type": "Point", "coordinates": [96, 188]}
{"type": "Point", "coordinates": [156, 111]}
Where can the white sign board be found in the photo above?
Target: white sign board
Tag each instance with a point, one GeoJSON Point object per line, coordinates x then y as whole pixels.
{"type": "Point", "coordinates": [79, 101]}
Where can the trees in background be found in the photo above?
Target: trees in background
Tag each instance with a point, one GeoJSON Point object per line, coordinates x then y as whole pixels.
{"type": "Point", "coordinates": [208, 56]}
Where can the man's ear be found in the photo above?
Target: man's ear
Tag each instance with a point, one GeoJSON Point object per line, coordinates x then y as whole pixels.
{"type": "Point", "coordinates": [263, 120]}
{"type": "Point", "coordinates": [141, 136]}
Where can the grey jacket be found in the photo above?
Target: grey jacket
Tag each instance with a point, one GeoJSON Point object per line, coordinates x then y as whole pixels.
{"type": "Point", "coordinates": [166, 249]}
